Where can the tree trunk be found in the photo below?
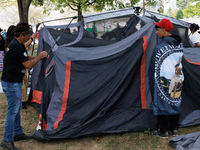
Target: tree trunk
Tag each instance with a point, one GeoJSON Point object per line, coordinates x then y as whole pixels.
{"type": "Point", "coordinates": [23, 8]}
{"type": "Point", "coordinates": [143, 4]}
{"type": "Point", "coordinates": [79, 13]}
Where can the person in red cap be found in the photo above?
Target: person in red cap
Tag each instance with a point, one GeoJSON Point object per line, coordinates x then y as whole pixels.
{"type": "Point", "coordinates": [166, 104]}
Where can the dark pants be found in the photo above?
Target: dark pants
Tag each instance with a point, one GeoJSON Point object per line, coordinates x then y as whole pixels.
{"type": "Point", "coordinates": [168, 122]}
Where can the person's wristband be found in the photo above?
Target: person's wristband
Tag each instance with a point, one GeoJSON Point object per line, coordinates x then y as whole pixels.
{"type": "Point", "coordinates": [32, 39]}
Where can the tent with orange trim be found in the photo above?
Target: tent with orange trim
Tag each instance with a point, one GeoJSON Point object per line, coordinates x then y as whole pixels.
{"type": "Point", "coordinates": [97, 85]}
{"type": "Point", "coordinates": [190, 106]}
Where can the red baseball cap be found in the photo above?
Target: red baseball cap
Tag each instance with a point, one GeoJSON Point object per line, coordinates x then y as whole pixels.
{"type": "Point", "coordinates": [165, 24]}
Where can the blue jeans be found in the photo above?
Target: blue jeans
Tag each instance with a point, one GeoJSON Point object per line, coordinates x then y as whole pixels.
{"type": "Point", "coordinates": [13, 91]}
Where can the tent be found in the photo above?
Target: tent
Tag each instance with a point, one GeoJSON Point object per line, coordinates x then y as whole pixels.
{"type": "Point", "coordinates": [98, 85]}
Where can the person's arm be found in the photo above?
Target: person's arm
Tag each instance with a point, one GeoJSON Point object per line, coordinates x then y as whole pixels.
{"type": "Point", "coordinates": [197, 44]}
{"type": "Point", "coordinates": [31, 57]}
{"type": "Point", "coordinates": [30, 40]}
{"type": "Point", "coordinates": [30, 63]}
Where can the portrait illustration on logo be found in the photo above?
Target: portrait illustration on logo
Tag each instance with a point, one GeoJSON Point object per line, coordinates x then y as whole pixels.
{"type": "Point", "coordinates": [176, 81]}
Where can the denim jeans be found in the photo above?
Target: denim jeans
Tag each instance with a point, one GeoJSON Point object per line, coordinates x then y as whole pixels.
{"type": "Point", "coordinates": [13, 91]}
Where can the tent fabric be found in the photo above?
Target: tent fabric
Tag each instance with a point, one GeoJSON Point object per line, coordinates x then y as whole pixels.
{"type": "Point", "coordinates": [108, 15]}
{"type": "Point", "coordinates": [92, 89]}
{"type": "Point", "coordinates": [191, 90]}
{"type": "Point", "coordinates": [96, 86]}
{"type": "Point", "coordinates": [189, 141]}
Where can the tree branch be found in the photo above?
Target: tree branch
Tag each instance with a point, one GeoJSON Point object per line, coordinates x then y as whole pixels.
{"type": "Point", "coordinates": [75, 3]}
{"type": "Point", "coordinates": [90, 3]}
{"type": "Point", "coordinates": [72, 7]}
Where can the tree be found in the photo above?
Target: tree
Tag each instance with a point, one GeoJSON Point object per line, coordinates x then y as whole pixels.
{"type": "Point", "coordinates": [8, 9]}
{"type": "Point", "coordinates": [23, 8]}
{"type": "Point", "coordinates": [6, 3]}
{"type": "Point", "coordinates": [149, 3]}
{"type": "Point", "coordinates": [161, 7]}
{"type": "Point", "coordinates": [181, 4]}
{"type": "Point", "coordinates": [179, 14]}
{"type": "Point", "coordinates": [84, 5]}
{"type": "Point", "coordinates": [170, 13]}
{"type": "Point", "coordinates": [36, 11]}
{"type": "Point", "coordinates": [192, 9]}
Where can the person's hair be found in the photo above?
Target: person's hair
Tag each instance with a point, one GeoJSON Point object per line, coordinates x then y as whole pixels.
{"type": "Point", "coordinates": [22, 28]}
{"type": "Point", "coordinates": [67, 30]}
{"type": "Point", "coordinates": [157, 27]}
{"type": "Point", "coordinates": [194, 27]}
{"type": "Point", "coordinates": [9, 35]}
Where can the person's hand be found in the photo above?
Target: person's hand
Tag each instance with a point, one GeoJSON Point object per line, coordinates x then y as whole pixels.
{"type": "Point", "coordinates": [34, 35]}
{"type": "Point", "coordinates": [43, 55]}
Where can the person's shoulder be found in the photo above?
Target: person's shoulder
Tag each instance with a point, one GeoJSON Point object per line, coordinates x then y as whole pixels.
{"type": "Point", "coordinates": [196, 34]}
{"type": "Point", "coordinates": [15, 44]}
{"type": "Point", "coordinates": [159, 46]}
{"type": "Point", "coordinates": [10, 39]}
{"type": "Point", "coordinates": [177, 38]}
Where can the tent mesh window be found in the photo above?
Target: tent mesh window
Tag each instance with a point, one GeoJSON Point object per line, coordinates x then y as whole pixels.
{"type": "Point", "coordinates": [101, 32]}
{"type": "Point", "coordinates": [114, 29]}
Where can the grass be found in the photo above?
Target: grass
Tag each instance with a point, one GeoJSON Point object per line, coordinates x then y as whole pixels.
{"type": "Point", "coordinates": [125, 141]}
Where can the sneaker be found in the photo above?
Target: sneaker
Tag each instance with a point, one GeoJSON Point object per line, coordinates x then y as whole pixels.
{"type": "Point", "coordinates": [174, 132]}
{"type": "Point", "coordinates": [8, 145]}
{"type": "Point", "coordinates": [22, 137]}
{"type": "Point", "coordinates": [160, 134]}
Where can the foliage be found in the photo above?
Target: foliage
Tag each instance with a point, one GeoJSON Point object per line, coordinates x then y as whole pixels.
{"type": "Point", "coordinates": [181, 4]}
{"type": "Point", "coordinates": [192, 9]}
{"type": "Point", "coordinates": [149, 3]}
{"type": "Point", "coordinates": [147, 131]}
{"type": "Point", "coordinates": [23, 7]}
{"type": "Point", "coordinates": [161, 7]}
{"type": "Point", "coordinates": [6, 3]}
{"type": "Point", "coordinates": [87, 5]}
{"type": "Point", "coordinates": [37, 2]}
{"type": "Point", "coordinates": [83, 5]}
{"type": "Point", "coordinates": [80, 5]}
{"type": "Point", "coordinates": [179, 14]}
{"type": "Point", "coordinates": [169, 12]}
{"type": "Point", "coordinates": [35, 11]}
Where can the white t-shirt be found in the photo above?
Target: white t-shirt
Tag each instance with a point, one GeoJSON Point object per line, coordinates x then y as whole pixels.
{"type": "Point", "coordinates": [195, 38]}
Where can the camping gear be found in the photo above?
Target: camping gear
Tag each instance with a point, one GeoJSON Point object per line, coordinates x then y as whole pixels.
{"type": "Point", "coordinates": [92, 86]}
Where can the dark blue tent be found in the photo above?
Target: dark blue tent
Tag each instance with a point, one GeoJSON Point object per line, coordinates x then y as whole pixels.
{"type": "Point", "coordinates": [92, 86]}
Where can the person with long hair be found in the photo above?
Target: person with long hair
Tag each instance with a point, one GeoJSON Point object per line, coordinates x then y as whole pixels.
{"type": "Point", "coordinates": [195, 38]}
{"type": "Point", "coordinates": [10, 35]}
